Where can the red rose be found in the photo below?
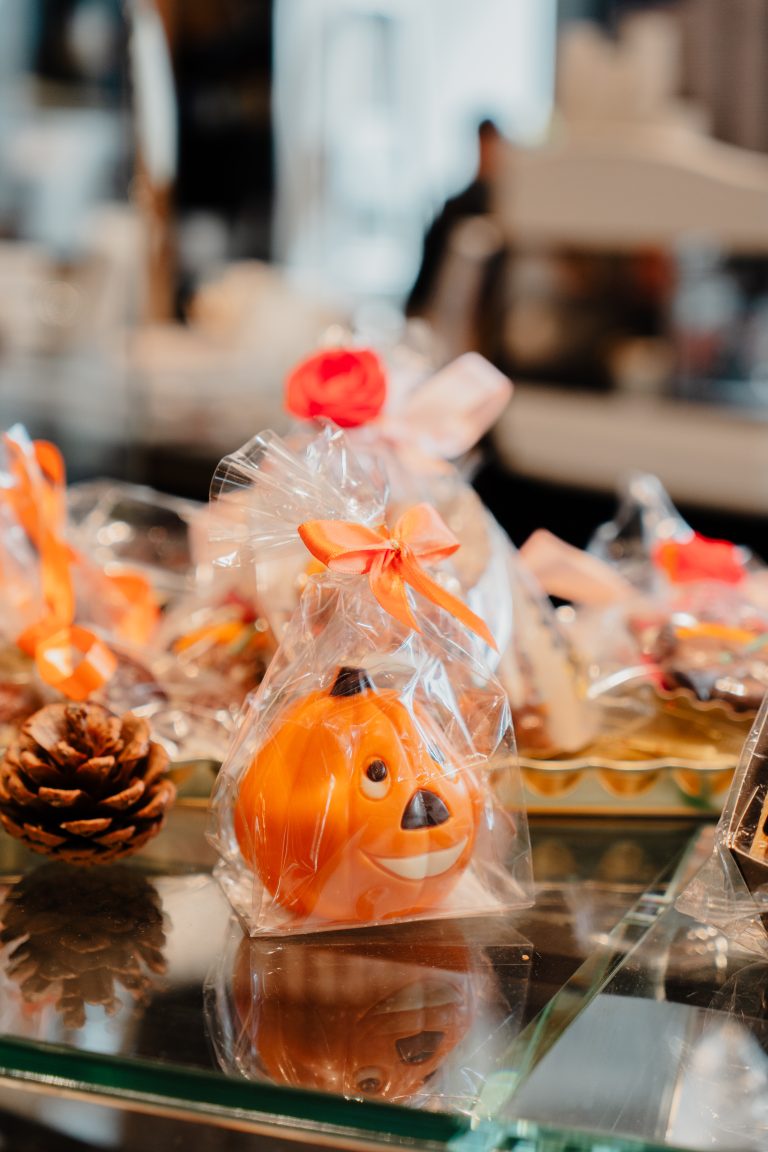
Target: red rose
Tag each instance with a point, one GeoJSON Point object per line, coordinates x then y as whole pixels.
{"type": "Point", "coordinates": [346, 385]}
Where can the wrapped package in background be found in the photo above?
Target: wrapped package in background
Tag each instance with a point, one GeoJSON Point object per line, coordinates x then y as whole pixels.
{"type": "Point", "coordinates": [697, 625]}
{"type": "Point", "coordinates": [102, 601]}
{"type": "Point", "coordinates": [374, 776]}
{"type": "Point", "coordinates": [74, 630]}
{"type": "Point", "coordinates": [212, 648]}
{"type": "Point", "coordinates": [731, 890]}
{"type": "Point", "coordinates": [21, 604]}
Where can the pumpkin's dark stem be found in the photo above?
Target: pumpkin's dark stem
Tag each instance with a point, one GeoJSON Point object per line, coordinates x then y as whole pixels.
{"type": "Point", "coordinates": [350, 681]}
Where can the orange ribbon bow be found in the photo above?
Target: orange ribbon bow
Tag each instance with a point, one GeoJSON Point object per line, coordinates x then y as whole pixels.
{"type": "Point", "coordinates": [71, 659]}
{"type": "Point", "coordinates": [393, 559]}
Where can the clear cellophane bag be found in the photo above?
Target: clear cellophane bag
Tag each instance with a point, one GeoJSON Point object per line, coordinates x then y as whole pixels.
{"type": "Point", "coordinates": [374, 776]}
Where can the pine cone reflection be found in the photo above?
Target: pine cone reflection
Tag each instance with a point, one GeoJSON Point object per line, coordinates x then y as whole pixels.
{"type": "Point", "coordinates": [76, 938]}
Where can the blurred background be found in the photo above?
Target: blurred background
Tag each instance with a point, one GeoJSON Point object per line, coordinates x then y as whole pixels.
{"type": "Point", "coordinates": [194, 194]}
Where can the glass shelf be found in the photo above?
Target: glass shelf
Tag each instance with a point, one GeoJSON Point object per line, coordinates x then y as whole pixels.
{"type": "Point", "coordinates": [134, 985]}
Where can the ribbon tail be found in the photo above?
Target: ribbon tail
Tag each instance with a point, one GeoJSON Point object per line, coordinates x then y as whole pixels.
{"type": "Point", "coordinates": [57, 579]}
{"type": "Point", "coordinates": [431, 590]}
{"type": "Point", "coordinates": [388, 586]}
{"type": "Point", "coordinates": [58, 594]}
{"type": "Point", "coordinates": [137, 609]}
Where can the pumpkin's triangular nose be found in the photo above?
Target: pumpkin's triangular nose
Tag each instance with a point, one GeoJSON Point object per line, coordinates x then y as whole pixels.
{"type": "Point", "coordinates": [425, 810]}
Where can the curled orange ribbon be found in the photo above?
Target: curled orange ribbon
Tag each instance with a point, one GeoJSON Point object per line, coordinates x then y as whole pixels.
{"type": "Point", "coordinates": [391, 560]}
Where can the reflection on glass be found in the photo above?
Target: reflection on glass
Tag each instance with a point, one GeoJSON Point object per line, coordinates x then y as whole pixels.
{"type": "Point", "coordinates": [670, 1043]}
{"type": "Point", "coordinates": [721, 1100]}
{"type": "Point", "coordinates": [393, 1016]}
{"type": "Point", "coordinates": [74, 939]}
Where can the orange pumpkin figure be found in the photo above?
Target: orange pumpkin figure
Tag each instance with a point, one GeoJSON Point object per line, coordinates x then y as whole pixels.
{"type": "Point", "coordinates": [354, 1020]}
{"type": "Point", "coordinates": [352, 811]}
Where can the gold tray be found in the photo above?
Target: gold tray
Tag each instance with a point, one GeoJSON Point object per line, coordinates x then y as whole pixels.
{"type": "Point", "coordinates": [677, 758]}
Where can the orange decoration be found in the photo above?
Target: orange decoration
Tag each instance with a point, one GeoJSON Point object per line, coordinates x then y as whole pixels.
{"type": "Point", "coordinates": [37, 500]}
{"type": "Point", "coordinates": [139, 611]}
{"type": "Point", "coordinates": [346, 385]}
{"type": "Point", "coordinates": [349, 1019]}
{"type": "Point", "coordinates": [721, 633]}
{"type": "Point", "coordinates": [352, 810]}
{"type": "Point", "coordinates": [699, 558]}
{"type": "Point", "coordinates": [75, 662]}
{"type": "Point", "coordinates": [70, 659]}
{"type": "Point", "coordinates": [391, 560]}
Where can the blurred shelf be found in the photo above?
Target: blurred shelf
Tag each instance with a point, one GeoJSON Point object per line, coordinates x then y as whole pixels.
{"type": "Point", "coordinates": [706, 454]}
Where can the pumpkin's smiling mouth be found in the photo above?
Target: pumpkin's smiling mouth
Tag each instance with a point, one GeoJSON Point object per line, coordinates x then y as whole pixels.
{"type": "Point", "coordinates": [425, 865]}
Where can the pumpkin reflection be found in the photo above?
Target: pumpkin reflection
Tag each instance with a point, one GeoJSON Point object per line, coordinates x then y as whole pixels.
{"type": "Point", "coordinates": [349, 1020]}
{"type": "Point", "coordinates": [353, 810]}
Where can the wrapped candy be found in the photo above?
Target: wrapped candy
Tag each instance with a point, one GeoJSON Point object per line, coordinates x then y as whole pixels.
{"type": "Point", "coordinates": [212, 648]}
{"type": "Point", "coordinates": [411, 428]}
{"type": "Point", "coordinates": [651, 544]}
{"type": "Point", "coordinates": [374, 776]}
{"type": "Point", "coordinates": [83, 572]}
{"type": "Point", "coordinates": [697, 623]}
{"type": "Point", "coordinates": [731, 890]}
{"type": "Point", "coordinates": [71, 629]}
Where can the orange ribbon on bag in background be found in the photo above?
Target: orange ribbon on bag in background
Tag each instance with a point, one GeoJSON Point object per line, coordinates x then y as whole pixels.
{"type": "Point", "coordinates": [393, 559]}
{"type": "Point", "coordinates": [37, 500]}
{"type": "Point", "coordinates": [75, 662]}
{"type": "Point", "coordinates": [69, 658]}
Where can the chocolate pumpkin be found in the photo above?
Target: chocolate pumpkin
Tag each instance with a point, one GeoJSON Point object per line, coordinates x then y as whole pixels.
{"type": "Point", "coordinates": [353, 809]}
{"type": "Point", "coordinates": [351, 1020]}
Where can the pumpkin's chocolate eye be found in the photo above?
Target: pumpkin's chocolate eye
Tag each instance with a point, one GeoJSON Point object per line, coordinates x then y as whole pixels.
{"type": "Point", "coordinates": [375, 782]}
{"type": "Point", "coordinates": [376, 771]}
{"type": "Point", "coordinates": [370, 1080]}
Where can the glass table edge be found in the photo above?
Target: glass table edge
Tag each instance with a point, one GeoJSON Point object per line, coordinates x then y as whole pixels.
{"type": "Point", "coordinates": [276, 1109]}
{"type": "Point", "coordinates": [427, 1132]}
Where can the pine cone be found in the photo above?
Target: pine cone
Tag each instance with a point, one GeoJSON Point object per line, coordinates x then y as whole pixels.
{"type": "Point", "coordinates": [84, 785]}
{"type": "Point", "coordinates": [78, 938]}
